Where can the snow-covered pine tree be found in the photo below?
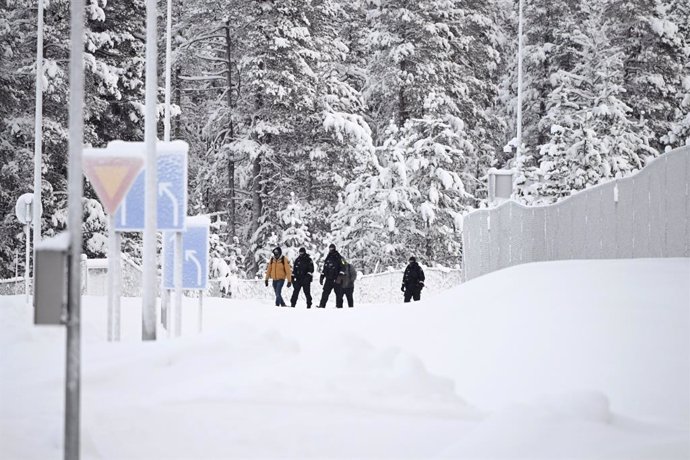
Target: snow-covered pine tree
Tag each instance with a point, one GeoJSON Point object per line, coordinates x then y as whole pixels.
{"type": "Point", "coordinates": [371, 222]}
{"type": "Point", "coordinates": [652, 35]}
{"type": "Point", "coordinates": [295, 232]}
{"type": "Point", "coordinates": [17, 33]}
{"type": "Point", "coordinates": [679, 134]}
{"type": "Point", "coordinates": [593, 135]}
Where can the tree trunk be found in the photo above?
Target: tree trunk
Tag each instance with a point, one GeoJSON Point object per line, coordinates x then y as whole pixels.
{"type": "Point", "coordinates": [403, 112]}
{"type": "Point", "coordinates": [231, 130]}
{"type": "Point", "coordinates": [257, 206]}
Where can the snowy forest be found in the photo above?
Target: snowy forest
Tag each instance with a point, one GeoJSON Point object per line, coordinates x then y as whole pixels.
{"type": "Point", "coordinates": [370, 124]}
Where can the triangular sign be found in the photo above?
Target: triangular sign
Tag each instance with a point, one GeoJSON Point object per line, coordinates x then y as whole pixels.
{"type": "Point", "coordinates": [112, 176]}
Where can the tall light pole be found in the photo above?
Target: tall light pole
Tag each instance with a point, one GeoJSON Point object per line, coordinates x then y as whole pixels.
{"type": "Point", "coordinates": [74, 221]}
{"type": "Point", "coordinates": [519, 88]}
{"type": "Point", "coordinates": [151, 178]}
{"type": "Point", "coordinates": [38, 128]}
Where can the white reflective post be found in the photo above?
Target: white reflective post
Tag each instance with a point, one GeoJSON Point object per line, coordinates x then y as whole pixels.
{"type": "Point", "coordinates": [27, 238]}
{"type": "Point", "coordinates": [113, 281]}
{"type": "Point", "coordinates": [16, 272]}
{"type": "Point", "coordinates": [177, 279]}
{"type": "Point", "coordinates": [201, 310]}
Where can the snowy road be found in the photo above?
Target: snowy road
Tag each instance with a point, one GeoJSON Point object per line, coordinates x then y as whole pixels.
{"type": "Point", "coordinates": [580, 359]}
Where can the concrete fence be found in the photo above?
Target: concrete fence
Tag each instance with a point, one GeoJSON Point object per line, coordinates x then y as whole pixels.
{"type": "Point", "coordinates": [644, 215]}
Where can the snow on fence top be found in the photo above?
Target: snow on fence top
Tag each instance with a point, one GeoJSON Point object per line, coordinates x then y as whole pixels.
{"type": "Point", "coordinates": [643, 215]}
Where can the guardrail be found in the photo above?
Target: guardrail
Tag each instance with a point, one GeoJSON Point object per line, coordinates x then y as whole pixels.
{"type": "Point", "coordinates": [643, 215]}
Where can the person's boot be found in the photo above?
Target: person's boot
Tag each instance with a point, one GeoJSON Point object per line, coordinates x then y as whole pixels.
{"type": "Point", "coordinates": [308, 306]}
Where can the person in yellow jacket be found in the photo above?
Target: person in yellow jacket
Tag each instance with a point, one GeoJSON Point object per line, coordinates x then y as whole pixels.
{"type": "Point", "coordinates": [279, 271]}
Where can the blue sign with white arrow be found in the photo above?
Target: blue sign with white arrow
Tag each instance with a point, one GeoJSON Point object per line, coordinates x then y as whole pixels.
{"type": "Point", "coordinates": [195, 250]}
{"type": "Point", "coordinates": [172, 192]}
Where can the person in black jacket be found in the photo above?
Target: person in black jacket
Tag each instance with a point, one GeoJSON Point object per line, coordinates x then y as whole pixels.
{"type": "Point", "coordinates": [347, 286]}
{"type": "Point", "coordinates": [302, 275]}
{"type": "Point", "coordinates": [332, 268]}
{"type": "Point", "coordinates": [413, 280]}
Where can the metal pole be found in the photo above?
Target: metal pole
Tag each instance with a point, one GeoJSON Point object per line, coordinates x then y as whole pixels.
{"type": "Point", "coordinates": [117, 284]}
{"type": "Point", "coordinates": [168, 65]}
{"type": "Point", "coordinates": [149, 256]}
{"type": "Point", "coordinates": [38, 127]}
{"type": "Point", "coordinates": [201, 310]}
{"type": "Point", "coordinates": [165, 294]}
{"type": "Point", "coordinates": [27, 238]}
{"type": "Point", "coordinates": [74, 220]}
{"type": "Point", "coordinates": [114, 277]}
{"type": "Point", "coordinates": [112, 268]}
{"type": "Point", "coordinates": [177, 279]}
{"type": "Point", "coordinates": [519, 89]}
{"type": "Point", "coordinates": [16, 271]}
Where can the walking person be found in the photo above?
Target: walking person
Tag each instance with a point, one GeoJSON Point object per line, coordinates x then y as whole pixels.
{"type": "Point", "coordinates": [279, 271]}
{"type": "Point", "coordinates": [332, 267]}
{"type": "Point", "coordinates": [413, 280]}
{"type": "Point", "coordinates": [302, 275]}
{"type": "Point", "coordinates": [346, 286]}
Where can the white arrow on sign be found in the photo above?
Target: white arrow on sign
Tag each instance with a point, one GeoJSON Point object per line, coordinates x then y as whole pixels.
{"type": "Point", "coordinates": [164, 189]}
{"type": "Point", "coordinates": [191, 254]}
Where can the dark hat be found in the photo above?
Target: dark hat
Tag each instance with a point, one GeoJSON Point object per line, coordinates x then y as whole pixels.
{"type": "Point", "coordinates": [331, 246]}
{"type": "Point", "coordinates": [302, 251]}
{"type": "Point", "coordinates": [277, 250]}
{"type": "Point", "coordinates": [413, 259]}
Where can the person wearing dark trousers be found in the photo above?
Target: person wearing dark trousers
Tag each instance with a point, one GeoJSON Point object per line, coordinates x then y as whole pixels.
{"type": "Point", "coordinates": [332, 267]}
{"type": "Point", "coordinates": [302, 275]}
{"type": "Point", "coordinates": [279, 271]}
{"type": "Point", "coordinates": [413, 280]}
{"type": "Point", "coordinates": [346, 286]}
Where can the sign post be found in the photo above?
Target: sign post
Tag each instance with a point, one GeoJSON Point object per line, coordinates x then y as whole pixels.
{"type": "Point", "coordinates": [193, 271]}
{"type": "Point", "coordinates": [24, 210]}
{"type": "Point", "coordinates": [112, 171]}
{"type": "Point", "coordinates": [171, 165]}
{"type": "Point", "coordinates": [74, 223]}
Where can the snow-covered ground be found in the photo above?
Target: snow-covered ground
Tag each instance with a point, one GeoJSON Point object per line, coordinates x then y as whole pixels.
{"type": "Point", "coordinates": [577, 359]}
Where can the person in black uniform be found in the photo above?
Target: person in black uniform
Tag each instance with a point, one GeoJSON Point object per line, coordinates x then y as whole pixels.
{"type": "Point", "coordinates": [302, 275]}
{"type": "Point", "coordinates": [332, 268]}
{"type": "Point", "coordinates": [347, 286]}
{"type": "Point", "coordinates": [413, 280]}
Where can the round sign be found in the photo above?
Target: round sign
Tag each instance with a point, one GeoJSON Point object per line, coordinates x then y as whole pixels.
{"type": "Point", "coordinates": [24, 209]}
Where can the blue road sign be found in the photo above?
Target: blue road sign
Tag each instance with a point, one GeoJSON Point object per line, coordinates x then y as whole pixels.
{"type": "Point", "coordinates": [172, 193]}
{"type": "Point", "coordinates": [195, 249]}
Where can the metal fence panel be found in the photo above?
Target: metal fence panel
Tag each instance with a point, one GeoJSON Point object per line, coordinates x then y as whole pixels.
{"type": "Point", "coordinates": [593, 225]}
{"type": "Point", "coordinates": [485, 248]}
{"type": "Point", "coordinates": [641, 207]}
{"type": "Point", "coordinates": [657, 209]}
{"type": "Point", "coordinates": [503, 234]}
{"type": "Point", "coordinates": [645, 215]}
{"type": "Point", "coordinates": [564, 232]}
{"type": "Point", "coordinates": [624, 216]}
{"type": "Point", "coordinates": [538, 234]}
{"type": "Point", "coordinates": [676, 183]}
{"type": "Point", "coordinates": [578, 208]}
{"type": "Point", "coordinates": [609, 221]}
{"type": "Point", "coordinates": [523, 241]}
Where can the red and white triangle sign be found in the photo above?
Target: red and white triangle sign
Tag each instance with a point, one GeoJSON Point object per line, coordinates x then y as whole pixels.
{"type": "Point", "coordinates": [111, 176]}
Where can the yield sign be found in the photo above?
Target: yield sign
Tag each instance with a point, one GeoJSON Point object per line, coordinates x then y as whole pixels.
{"type": "Point", "coordinates": [112, 173]}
